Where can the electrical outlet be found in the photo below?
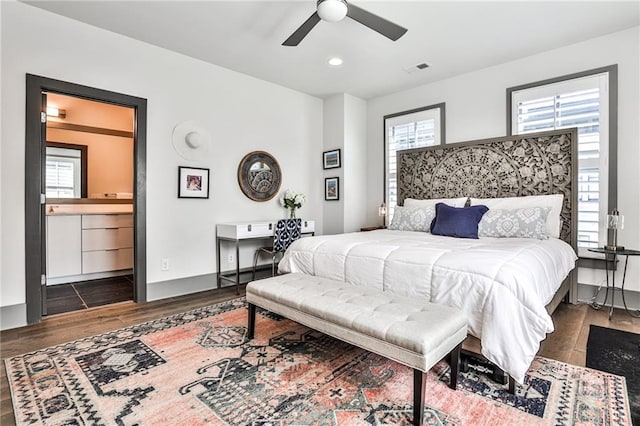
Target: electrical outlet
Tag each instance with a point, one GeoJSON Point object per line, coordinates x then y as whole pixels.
{"type": "Point", "coordinates": [231, 258]}
{"type": "Point", "coordinates": [164, 264]}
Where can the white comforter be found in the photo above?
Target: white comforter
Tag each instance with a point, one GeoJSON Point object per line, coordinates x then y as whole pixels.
{"type": "Point", "coordinates": [502, 285]}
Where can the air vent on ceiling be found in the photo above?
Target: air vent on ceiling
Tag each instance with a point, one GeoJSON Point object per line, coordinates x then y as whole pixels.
{"type": "Point", "coordinates": [419, 67]}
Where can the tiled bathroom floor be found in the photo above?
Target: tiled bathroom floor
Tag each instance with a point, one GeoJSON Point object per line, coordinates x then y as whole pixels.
{"type": "Point", "coordinates": [88, 294]}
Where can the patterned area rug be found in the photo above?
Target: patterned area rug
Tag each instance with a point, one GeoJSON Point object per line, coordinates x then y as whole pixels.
{"type": "Point", "coordinates": [198, 368]}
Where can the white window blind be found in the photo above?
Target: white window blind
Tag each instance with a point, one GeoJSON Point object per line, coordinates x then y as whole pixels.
{"type": "Point", "coordinates": [581, 103]}
{"type": "Point", "coordinates": [63, 173]}
{"type": "Point", "coordinates": [407, 131]}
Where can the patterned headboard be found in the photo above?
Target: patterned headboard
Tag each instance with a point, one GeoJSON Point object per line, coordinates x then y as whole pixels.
{"type": "Point", "coordinates": [531, 164]}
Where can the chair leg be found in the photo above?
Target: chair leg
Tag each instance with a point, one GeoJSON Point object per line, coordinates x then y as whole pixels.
{"type": "Point", "coordinates": [419, 385]}
{"type": "Point", "coordinates": [512, 386]}
{"type": "Point", "coordinates": [255, 262]}
{"type": "Point", "coordinates": [251, 323]}
{"type": "Point", "coordinates": [455, 367]}
{"type": "Point", "coordinates": [273, 265]}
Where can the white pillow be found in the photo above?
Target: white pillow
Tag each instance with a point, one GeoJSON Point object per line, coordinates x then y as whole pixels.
{"type": "Point", "coordinates": [412, 219]}
{"type": "Point", "coordinates": [554, 201]}
{"type": "Point", "coordinates": [519, 223]}
{"type": "Point", "coordinates": [453, 202]}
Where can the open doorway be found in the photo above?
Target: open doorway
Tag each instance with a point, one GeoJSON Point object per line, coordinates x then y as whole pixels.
{"type": "Point", "coordinates": [99, 248]}
{"type": "Point", "coordinates": [89, 204]}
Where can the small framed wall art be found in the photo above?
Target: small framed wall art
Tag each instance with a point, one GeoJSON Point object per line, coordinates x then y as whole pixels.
{"type": "Point", "coordinates": [331, 159]}
{"type": "Point", "coordinates": [193, 182]}
{"type": "Point", "coordinates": [332, 189]}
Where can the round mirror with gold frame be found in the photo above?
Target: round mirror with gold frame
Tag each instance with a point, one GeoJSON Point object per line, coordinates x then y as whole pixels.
{"type": "Point", "coordinates": [259, 176]}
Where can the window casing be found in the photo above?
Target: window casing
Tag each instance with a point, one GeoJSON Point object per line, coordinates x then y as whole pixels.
{"type": "Point", "coordinates": [581, 101]}
{"type": "Point", "coordinates": [408, 130]}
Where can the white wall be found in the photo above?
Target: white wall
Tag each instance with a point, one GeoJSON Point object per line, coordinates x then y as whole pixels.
{"type": "Point", "coordinates": [355, 163]}
{"type": "Point", "coordinates": [345, 119]}
{"type": "Point", "coordinates": [241, 113]}
{"type": "Point", "coordinates": [476, 108]}
{"type": "Point", "coordinates": [333, 134]}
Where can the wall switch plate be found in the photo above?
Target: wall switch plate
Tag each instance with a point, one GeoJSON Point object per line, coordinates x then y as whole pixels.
{"type": "Point", "coordinates": [164, 264]}
{"type": "Point", "coordinates": [231, 258]}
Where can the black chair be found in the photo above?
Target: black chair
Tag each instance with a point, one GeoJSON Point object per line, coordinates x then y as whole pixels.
{"type": "Point", "coordinates": [287, 231]}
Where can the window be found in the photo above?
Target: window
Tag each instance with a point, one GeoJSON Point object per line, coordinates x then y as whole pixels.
{"type": "Point", "coordinates": [407, 130]}
{"type": "Point", "coordinates": [585, 101]}
{"type": "Point", "coordinates": [63, 173]}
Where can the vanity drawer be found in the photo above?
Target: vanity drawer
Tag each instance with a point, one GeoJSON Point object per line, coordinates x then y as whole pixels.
{"type": "Point", "coordinates": [107, 260]}
{"type": "Point", "coordinates": [90, 221]}
{"type": "Point", "coordinates": [106, 238]}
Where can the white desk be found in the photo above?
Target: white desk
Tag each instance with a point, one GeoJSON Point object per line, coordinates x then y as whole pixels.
{"type": "Point", "coordinates": [246, 231]}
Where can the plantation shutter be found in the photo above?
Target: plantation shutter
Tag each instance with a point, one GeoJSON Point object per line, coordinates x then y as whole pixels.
{"type": "Point", "coordinates": [580, 103]}
{"type": "Point", "coordinates": [414, 130]}
{"type": "Point", "coordinates": [63, 173]}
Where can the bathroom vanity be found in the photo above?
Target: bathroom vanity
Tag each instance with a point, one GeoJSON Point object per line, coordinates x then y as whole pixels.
{"type": "Point", "coordinates": [88, 241]}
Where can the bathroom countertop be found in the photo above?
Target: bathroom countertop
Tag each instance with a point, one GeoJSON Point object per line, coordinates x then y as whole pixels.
{"type": "Point", "coordinates": [67, 209]}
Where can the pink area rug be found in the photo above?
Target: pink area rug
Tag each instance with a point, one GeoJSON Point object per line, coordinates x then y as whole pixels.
{"type": "Point", "coordinates": [198, 368]}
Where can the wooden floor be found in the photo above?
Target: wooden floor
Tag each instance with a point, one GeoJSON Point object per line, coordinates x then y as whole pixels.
{"type": "Point", "coordinates": [568, 343]}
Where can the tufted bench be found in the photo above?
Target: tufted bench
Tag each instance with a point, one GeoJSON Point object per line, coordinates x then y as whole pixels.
{"type": "Point", "coordinates": [415, 333]}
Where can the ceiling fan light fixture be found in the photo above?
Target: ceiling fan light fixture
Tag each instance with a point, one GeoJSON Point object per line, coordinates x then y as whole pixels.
{"type": "Point", "coordinates": [332, 10]}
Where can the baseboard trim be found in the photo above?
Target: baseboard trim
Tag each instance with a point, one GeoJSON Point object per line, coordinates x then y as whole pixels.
{"type": "Point", "coordinates": [88, 277]}
{"type": "Point", "coordinates": [183, 286]}
{"type": "Point", "coordinates": [180, 287]}
{"type": "Point", "coordinates": [13, 316]}
{"type": "Point", "coordinates": [586, 293]}
{"type": "Point", "coordinates": [16, 315]}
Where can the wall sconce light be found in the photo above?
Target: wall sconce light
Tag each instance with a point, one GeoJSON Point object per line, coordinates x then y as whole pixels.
{"type": "Point", "coordinates": [56, 112]}
{"type": "Point", "coordinates": [615, 221]}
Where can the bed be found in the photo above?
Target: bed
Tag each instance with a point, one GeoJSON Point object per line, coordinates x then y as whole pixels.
{"type": "Point", "coordinates": [507, 287]}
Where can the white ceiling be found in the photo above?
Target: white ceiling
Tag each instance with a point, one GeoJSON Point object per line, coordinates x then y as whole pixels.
{"type": "Point", "coordinates": [453, 37]}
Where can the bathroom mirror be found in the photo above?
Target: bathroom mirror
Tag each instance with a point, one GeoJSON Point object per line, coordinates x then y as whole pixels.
{"type": "Point", "coordinates": [259, 176]}
{"type": "Point", "coordinates": [89, 151]}
{"type": "Point", "coordinates": [66, 170]}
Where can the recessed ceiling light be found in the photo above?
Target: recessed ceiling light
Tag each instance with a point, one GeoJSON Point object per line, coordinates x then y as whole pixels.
{"type": "Point", "coordinates": [335, 61]}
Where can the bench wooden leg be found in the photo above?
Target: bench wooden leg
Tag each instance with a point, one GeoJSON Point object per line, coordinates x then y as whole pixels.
{"type": "Point", "coordinates": [455, 366]}
{"type": "Point", "coordinates": [512, 386]}
{"type": "Point", "coordinates": [251, 327]}
{"type": "Point", "coordinates": [419, 385]}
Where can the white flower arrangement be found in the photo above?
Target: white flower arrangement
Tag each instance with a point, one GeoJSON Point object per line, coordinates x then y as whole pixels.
{"type": "Point", "coordinates": [292, 200]}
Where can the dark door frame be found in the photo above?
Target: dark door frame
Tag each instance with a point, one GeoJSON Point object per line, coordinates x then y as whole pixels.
{"type": "Point", "coordinates": [35, 153]}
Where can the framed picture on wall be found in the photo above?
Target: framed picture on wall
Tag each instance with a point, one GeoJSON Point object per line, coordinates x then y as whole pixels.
{"type": "Point", "coordinates": [193, 182]}
{"type": "Point", "coordinates": [331, 159]}
{"type": "Point", "coordinates": [332, 189]}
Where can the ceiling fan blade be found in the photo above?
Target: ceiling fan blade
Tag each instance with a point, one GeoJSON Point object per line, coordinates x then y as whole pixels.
{"type": "Point", "coordinates": [376, 23]}
{"type": "Point", "coordinates": [304, 29]}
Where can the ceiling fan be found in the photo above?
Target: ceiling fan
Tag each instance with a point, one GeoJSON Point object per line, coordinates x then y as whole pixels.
{"type": "Point", "coordinates": [336, 10]}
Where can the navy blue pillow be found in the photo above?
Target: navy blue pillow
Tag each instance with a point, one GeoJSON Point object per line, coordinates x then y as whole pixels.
{"type": "Point", "coordinates": [459, 222]}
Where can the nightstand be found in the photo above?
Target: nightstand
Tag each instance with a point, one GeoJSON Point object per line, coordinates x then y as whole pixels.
{"type": "Point", "coordinates": [612, 256]}
{"type": "Point", "coordinates": [372, 228]}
